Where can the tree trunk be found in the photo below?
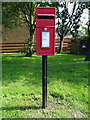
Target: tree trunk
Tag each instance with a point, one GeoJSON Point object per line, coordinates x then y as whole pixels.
{"type": "Point", "coordinates": [30, 49]}
{"type": "Point", "coordinates": [88, 56]}
{"type": "Point", "coordinates": [88, 50]}
{"type": "Point", "coordinates": [88, 43]}
{"type": "Point", "coordinates": [61, 45]}
{"type": "Point", "coordinates": [30, 31]}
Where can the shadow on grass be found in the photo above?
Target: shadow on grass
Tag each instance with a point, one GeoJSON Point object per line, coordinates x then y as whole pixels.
{"type": "Point", "coordinates": [16, 67]}
{"type": "Point", "coordinates": [21, 108]}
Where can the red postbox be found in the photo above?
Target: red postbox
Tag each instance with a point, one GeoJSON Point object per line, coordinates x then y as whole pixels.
{"type": "Point", "coordinates": [45, 30]}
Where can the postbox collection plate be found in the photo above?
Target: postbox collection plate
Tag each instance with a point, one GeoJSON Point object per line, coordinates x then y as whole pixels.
{"type": "Point", "coordinates": [45, 39]}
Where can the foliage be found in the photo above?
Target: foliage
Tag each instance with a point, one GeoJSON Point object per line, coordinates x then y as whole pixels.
{"type": "Point", "coordinates": [22, 88]}
{"type": "Point", "coordinates": [10, 14]}
{"type": "Point", "coordinates": [69, 21]}
{"type": "Point", "coordinates": [15, 13]}
{"type": "Point", "coordinates": [85, 30]}
{"type": "Point", "coordinates": [29, 50]}
{"type": "Point", "coordinates": [88, 42]}
{"type": "Point", "coordinates": [87, 4]}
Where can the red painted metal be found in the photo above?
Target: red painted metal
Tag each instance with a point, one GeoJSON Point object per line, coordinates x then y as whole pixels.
{"type": "Point", "coordinates": [45, 23]}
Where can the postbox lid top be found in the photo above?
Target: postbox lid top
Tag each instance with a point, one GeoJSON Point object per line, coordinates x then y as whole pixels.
{"type": "Point", "coordinates": [45, 11]}
{"type": "Point", "coordinates": [47, 7]}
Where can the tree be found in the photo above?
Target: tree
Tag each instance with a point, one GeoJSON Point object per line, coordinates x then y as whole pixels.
{"type": "Point", "coordinates": [68, 21]}
{"type": "Point", "coordinates": [88, 43]}
{"type": "Point", "coordinates": [15, 13]}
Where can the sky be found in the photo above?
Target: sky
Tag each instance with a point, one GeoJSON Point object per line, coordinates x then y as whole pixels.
{"type": "Point", "coordinates": [84, 17]}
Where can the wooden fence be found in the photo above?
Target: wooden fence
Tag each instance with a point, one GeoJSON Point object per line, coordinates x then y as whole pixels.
{"type": "Point", "coordinates": [16, 47]}
{"type": "Point", "coordinates": [66, 44]}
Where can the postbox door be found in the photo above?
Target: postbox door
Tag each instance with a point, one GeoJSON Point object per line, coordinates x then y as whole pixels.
{"type": "Point", "coordinates": [46, 41]}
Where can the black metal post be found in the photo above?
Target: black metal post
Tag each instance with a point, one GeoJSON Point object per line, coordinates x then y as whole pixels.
{"type": "Point", "coordinates": [44, 81]}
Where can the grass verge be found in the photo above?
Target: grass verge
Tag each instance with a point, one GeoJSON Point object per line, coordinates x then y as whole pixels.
{"type": "Point", "coordinates": [22, 87]}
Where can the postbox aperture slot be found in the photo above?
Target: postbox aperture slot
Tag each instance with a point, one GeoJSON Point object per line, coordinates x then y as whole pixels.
{"type": "Point", "coordinates": [45, 17]}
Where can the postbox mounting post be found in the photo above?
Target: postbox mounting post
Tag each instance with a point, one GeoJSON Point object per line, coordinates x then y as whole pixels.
{"type": "Point", "coordinates": [45, 42]}
{"type": "Point", "coordinates": [44, 81]}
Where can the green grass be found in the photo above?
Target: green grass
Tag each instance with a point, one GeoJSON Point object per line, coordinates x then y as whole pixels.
{"type": "Point", "coordinates": [22, 87]}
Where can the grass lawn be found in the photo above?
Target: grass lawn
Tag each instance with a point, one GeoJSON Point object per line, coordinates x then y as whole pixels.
{"type": "Point", "coordinates": [22, 87]}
